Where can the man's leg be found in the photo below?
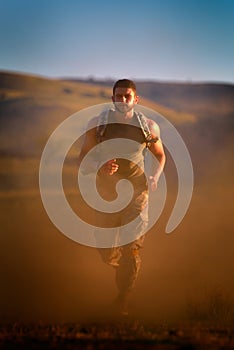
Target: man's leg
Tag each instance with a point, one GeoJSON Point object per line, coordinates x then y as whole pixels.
{"type": "Point", "coordinates": [126, 258]}
{"type": "Point", "coordinates": [130, 261]}
{"type": "Point", "coordinates": [111, 256]}
{"type": "Point", "coordinates": [126, 261]}
{"type": "Point", "coordinates": [127, 272]}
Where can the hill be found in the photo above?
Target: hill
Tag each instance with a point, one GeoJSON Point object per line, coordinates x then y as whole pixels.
{"type": "Point", "coordinates": [31, 107]}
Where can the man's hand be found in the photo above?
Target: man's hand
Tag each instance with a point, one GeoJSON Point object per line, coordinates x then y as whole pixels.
{"type": "Point", "coordinates": [153, 183]}
{"type": "Point", "coordinates": [110, 167]}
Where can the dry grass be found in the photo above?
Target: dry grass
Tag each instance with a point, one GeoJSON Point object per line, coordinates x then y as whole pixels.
{"type": "Point", "coordinates": [124, 334]}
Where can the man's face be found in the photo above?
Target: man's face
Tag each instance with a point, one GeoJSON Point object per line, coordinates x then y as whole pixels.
{"type": "Point", "coordinates": [124, 99]}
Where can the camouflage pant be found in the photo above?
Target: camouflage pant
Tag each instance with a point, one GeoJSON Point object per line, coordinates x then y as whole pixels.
{"type": "Point", "coordinates": [126, 259]}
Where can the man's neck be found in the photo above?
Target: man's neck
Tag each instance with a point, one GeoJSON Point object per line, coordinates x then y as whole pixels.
{"type": "Point", "coordinates": [124, 117]}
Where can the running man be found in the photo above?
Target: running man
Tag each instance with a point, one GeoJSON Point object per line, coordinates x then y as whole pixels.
{"type": "Point", "coordinates": [123, 122]}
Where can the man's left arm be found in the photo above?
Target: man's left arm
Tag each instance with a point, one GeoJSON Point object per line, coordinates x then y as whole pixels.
{"type": "Point", "coordinates": [158, 151]}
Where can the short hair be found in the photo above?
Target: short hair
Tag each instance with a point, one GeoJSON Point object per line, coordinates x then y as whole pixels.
{"type": "Point", "coordinates": [125, 83]}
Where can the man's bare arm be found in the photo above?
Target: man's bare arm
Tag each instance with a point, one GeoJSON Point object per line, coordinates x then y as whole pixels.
{"type": "Point", "coordinates": [158, 151]}
{"type": "Point", "coordinates": [90, 141]}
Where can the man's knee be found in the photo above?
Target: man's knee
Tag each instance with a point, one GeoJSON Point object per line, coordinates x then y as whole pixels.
{"type": "Point", "coordinates": [110, 256]}
{"type": "Point", "coordinates": [132, 258]}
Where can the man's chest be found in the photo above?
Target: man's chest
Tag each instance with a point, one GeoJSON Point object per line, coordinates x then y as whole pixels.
{"type": "Point", "coordinates": [130, 132]}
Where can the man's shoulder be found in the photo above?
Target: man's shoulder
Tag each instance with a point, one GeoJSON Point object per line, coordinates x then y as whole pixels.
{"type": "Point", "coordinates": [92, 124]}
{"type": "Point", "coordinates": [154, 128]}
{"type": "Point", "coordinates": [151, 125]}
{"type": "Point", "coordinates": [150, 122]}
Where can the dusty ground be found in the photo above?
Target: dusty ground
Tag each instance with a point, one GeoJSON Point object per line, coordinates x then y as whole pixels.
{"type": "Point", "coordinates": [125, 334]}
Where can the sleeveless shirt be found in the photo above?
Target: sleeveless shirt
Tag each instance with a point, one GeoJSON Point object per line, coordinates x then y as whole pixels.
{"type": "Point", "coordinates": [133, 169]}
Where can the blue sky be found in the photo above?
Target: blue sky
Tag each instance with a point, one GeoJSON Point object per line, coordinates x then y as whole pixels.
{"type": "Point", "coordinates": [180, 40]}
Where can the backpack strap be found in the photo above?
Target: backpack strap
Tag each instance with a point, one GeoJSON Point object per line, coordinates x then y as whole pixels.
{"type": "Point", "coordinates": [145, 129]}
{"type": "Point", "coordinates": [103, 121]}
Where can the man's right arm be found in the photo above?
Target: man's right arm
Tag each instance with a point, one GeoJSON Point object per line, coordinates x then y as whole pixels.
{"type": "Point", "coordinates": [90, 142]}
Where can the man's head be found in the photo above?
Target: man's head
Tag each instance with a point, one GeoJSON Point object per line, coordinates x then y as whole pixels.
{"type": "Point", "coordinates": [124, 83]}
{"type": "Point", "coordinates": [124, 95]}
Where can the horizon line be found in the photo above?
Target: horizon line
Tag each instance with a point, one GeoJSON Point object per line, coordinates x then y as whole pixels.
{"type": "Point", "coordinates": [93, 78]}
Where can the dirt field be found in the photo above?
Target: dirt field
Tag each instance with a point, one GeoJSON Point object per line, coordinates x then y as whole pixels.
{"type": "Point", "coordinates": [123, 334]}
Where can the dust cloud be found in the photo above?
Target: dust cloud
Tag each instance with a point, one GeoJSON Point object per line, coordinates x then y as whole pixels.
{"type": "Point", "coordinates": [46, 276]}
{"type": "Point", "coordinates": [185, 275]}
